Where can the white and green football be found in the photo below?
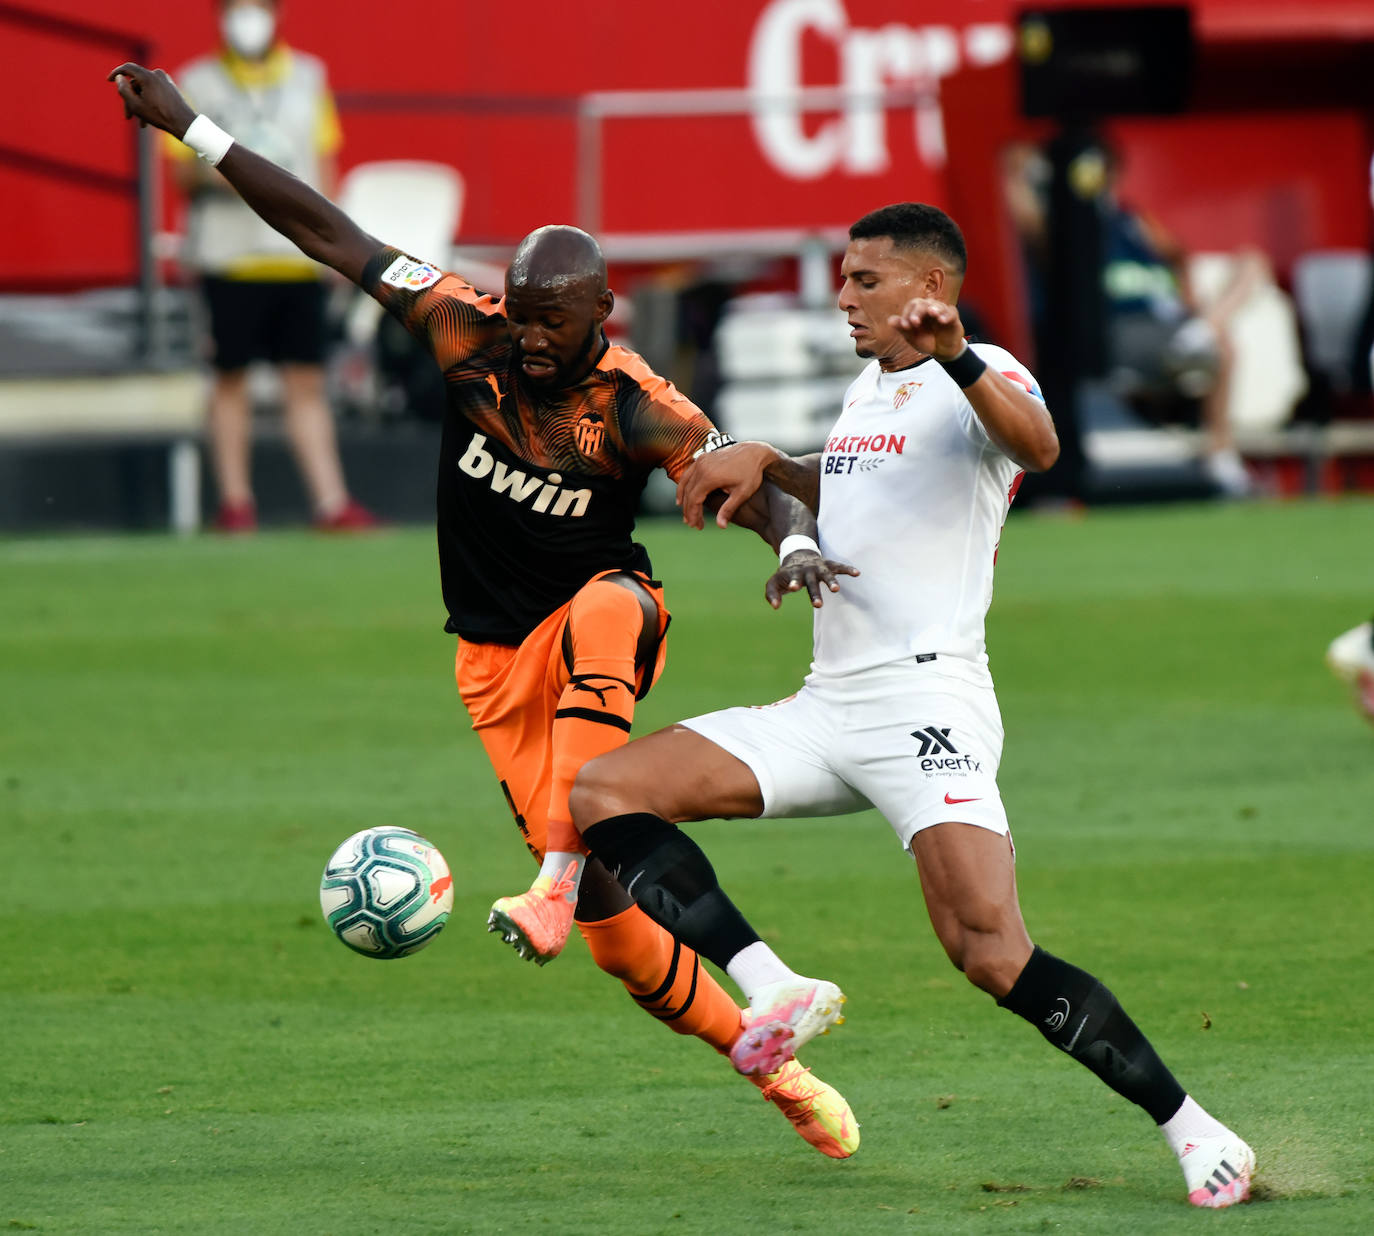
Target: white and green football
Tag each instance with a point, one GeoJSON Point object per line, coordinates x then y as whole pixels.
{"type": "Point", "coordinates": [386, 892]}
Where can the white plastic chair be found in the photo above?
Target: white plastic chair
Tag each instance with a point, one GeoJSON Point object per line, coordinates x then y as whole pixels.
{"type": "Point", "coordinates": [763, 338]}
{"type": "Point", "coordinates": [1331, 287]}
{"type": "Point", "coordinates": [792, 414]}
{"type": "Point", "coordinates": [413, 205]}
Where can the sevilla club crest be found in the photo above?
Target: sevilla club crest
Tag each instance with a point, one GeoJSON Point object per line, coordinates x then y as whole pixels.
{"type": "Point", "coordinates": [904, 392]}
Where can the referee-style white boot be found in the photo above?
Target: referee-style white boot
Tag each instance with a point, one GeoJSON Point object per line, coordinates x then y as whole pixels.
{"type": "Point", "coordinates": [1217, 1170]}
{"type": "Point", "coordinates": [1352, 652]}
{"type": "Point", "coordinates": [1351, 658]}
{"type": "Point", "coordinates": [782, 1018]}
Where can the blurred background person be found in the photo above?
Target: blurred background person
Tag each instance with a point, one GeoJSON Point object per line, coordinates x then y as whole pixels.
{"type": "Point", "coordinates": [1362, 360]}
{"type": "Point", "coordinates": [1168, 355]}
{"type": "Point", "coordinates": [1350, 655]}
{"type": "Point", "coordinates": [263, 299]}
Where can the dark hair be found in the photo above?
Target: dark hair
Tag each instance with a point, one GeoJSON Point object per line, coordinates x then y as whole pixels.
{"type": "Point", "coordinates": [914, 225]}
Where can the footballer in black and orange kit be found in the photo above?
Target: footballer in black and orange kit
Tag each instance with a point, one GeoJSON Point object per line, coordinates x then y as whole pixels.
{"type": "Point", "coordinates": [549, 436]}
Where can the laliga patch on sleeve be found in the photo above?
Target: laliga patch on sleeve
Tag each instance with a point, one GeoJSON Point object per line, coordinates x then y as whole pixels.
{"type": "Point", "coordinates": [411, 274]}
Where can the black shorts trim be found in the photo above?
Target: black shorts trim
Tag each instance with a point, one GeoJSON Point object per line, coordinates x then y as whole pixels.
{"type": "Point", "coordinates": [251, 320]}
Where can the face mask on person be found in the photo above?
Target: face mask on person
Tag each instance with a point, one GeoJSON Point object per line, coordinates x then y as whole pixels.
{"type": "Point", "coordinates": [248, 29]}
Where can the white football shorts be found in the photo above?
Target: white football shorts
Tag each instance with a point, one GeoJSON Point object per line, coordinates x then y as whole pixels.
{"type": "Point", "coordinates": [920, 745]}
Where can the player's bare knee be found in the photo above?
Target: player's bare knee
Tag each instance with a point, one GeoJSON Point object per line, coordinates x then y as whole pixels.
{"type": "Point", "coordinates": [993, 962]}
{"type": "Point", "coordinates": [987, 975]}
{"type": "Point", "coordinates": [986, 939]}
{"type": "Point", "coordinates": [600, 790]}
{"type": "Point", "coordinates": [587, 794]}
{"type": "Point", "coordinates": [976, 957]}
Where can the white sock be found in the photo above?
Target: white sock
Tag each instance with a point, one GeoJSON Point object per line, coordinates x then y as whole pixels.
{"type": "Point", "coordinates": [1189, 1124]}
{"type": "Point", "coordinates": [556, 864]}
{"type": "Point", "coordinates": [755, 966]}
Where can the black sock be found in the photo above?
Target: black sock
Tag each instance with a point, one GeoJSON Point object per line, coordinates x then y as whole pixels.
{"type": "Point", "coordinates": [672, 881]}
{"type": "Point", "coordinates": [1080, 1016]}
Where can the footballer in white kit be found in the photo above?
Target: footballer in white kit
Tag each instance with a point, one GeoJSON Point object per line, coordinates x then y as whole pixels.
{"type": "Point", "coordinates": [898, 711]}
{"type": "Point", "coordinates": [912, 488]}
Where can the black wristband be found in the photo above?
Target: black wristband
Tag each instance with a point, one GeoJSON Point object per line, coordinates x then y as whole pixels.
{"type": "Point", "coordinates": [966, 368]}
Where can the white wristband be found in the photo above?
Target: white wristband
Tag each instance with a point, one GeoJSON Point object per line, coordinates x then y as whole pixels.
{"type": "Point", "coordinates": [208, 140]}
{"type": "Point", "coordinates": [790, 545]}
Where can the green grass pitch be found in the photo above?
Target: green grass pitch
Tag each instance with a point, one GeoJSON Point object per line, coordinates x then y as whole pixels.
{"type": "Point", "coordinates": [187, 729]}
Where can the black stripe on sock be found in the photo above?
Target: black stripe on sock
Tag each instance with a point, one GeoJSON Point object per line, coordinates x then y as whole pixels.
{"type": "Point", "coordinates": [691, 995]}
{"type": "Point", "coordinates": [589, 714]}
{"type": "Point", "coordinates": [667, 985]}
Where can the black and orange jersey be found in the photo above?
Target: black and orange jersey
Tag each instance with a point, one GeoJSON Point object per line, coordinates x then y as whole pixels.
{"type": "Point", "coordinates": [537, 489]}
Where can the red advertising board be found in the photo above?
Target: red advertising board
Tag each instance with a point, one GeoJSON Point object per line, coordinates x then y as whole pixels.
{"type": "Point", "coordinates": [648, 121]}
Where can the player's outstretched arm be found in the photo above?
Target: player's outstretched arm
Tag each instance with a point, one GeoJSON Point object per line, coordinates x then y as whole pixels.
{"type": "Point", "coordinates": [308, 219]}
{"type": "Point", "coordinates": [1015, 420]}
{"type": "Point", "coordinates": [738, 471]}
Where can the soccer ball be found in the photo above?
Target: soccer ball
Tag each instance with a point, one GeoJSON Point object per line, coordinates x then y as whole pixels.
{"type": "Point", "coordinates": [386, 892]}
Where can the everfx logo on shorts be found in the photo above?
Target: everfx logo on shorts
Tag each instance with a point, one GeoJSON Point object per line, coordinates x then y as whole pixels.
{"type": "Point", "coordinates": [935, 742]}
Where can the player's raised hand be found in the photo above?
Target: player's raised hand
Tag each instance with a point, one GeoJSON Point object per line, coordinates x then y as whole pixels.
{"type": "Point", "coordinates": [736, 470]}
{"type": "Point", "coordinates": [151, 98]}
{"type": "Point", "coordinates": [931, 326]}
{"type": "Point", "coordinates": [804, 569]}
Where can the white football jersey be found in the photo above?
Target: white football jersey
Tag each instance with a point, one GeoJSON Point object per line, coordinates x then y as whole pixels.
{"type": "Point", "coordinates": [914, 494]}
